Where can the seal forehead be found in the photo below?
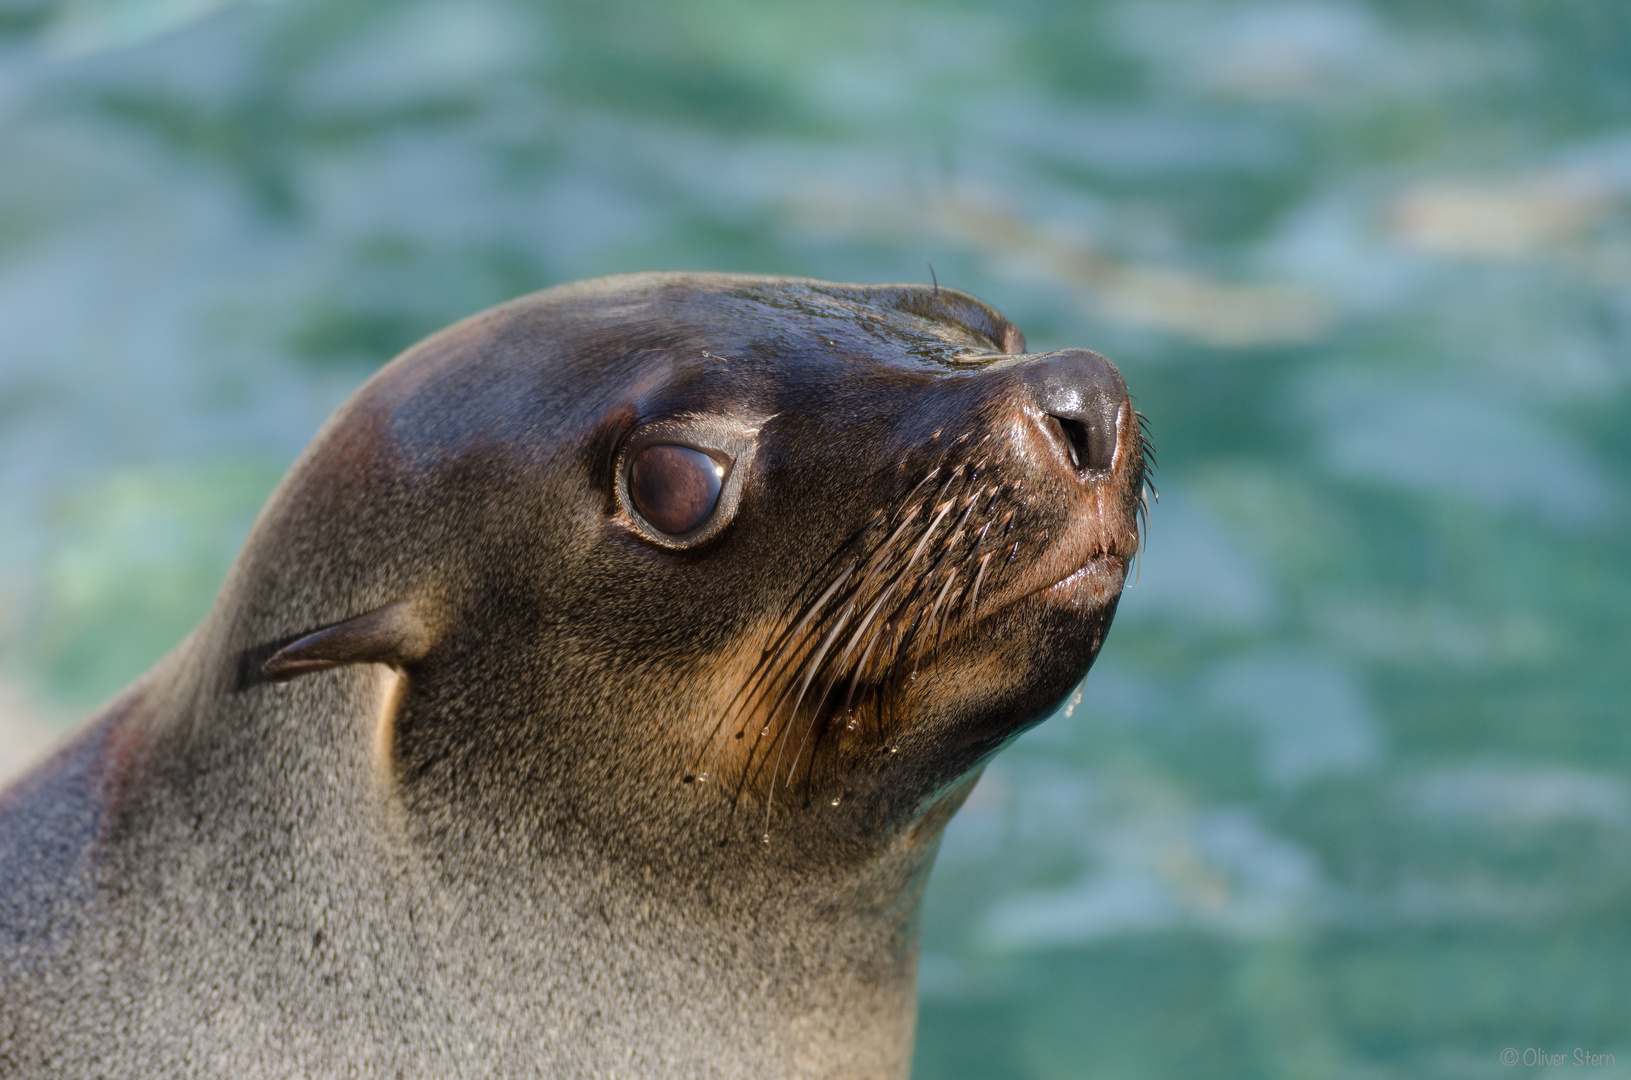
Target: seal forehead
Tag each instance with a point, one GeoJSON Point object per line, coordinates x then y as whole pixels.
{"type": "Point", "coordinates": [900, 323]}
{"type": "Point", "coordinates": [545, 369]}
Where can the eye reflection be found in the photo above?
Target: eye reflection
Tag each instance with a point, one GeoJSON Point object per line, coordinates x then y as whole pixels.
{"type": "Point", "coordinates": [674, 487]}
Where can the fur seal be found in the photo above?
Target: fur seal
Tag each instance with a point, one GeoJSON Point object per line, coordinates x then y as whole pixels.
{"type": "Point", "coordinates": [588, 700]}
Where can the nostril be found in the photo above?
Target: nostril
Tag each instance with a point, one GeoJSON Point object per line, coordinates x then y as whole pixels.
{"type": "Point", "coordinates": [1075, 438]}
{"type": "Point", "coordinates": [1083, 394]}
{"type": "Point", "coordinates": [1092, 448]}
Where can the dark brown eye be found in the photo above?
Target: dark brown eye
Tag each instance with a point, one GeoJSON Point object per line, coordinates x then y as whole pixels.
{"type": "Point", "coordinates": [674, 487]}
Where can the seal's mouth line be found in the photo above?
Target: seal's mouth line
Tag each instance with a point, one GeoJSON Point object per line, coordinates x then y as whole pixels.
{"type": "Point", "coordinates": [1095, 565]}
{"type": "Point", "coordinates": [1094, 562]}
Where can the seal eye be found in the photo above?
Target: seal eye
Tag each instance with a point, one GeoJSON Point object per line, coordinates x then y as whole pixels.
{"type": "Point", "coordinates": [675, 488]}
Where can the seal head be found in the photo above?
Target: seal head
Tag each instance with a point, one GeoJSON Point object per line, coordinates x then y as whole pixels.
{"type": "Point", "coordinates": [778, 546]}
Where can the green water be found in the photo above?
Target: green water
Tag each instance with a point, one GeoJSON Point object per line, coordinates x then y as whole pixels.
{"type": "Point", "coordinates": [1347, 795]}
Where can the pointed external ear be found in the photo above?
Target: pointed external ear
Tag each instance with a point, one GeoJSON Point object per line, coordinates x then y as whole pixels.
{"type": "Point", "coordinates": [393, 634]}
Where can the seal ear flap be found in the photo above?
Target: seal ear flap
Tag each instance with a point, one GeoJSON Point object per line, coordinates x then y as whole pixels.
{"type": "Point", "coordinates": [1012, 340]}
{"type": "Point", "coordinates": [394, 634]}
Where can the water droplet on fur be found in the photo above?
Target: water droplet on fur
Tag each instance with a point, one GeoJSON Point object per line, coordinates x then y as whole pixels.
{"type": "Point", "coordinates": [835, 802]}
{"type": "Point", "coordinates": [894, 749]}
{"type": "Point", "coordinates": [1075, 700]}
{"type": "Point", "coordinates": [764, 731]}
{"type": "Point", "coordinates": [702, 778]}
{"type": "Point", "coordinates": [765, 839]}
{"type": "Point", "coordinates": [851, 726]}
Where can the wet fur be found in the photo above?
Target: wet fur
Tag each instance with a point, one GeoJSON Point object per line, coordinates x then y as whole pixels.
{"type": "Point", "coordinates": [483, 856]}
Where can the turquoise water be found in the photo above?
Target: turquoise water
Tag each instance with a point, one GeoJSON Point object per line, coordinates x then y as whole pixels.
{"type": "Point", "coordinates": [1347, 794]}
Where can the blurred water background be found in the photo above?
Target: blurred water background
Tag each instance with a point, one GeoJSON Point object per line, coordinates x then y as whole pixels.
{"type": "Point", "coordinates": [1347, 794]}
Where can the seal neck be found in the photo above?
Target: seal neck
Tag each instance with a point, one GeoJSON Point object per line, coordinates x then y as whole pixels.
{"type": "Point", "coordinates": [751, 968]}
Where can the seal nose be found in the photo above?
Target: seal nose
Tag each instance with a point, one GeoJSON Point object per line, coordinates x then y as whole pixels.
{"type": "Point", "coordinates": [1081, 394]}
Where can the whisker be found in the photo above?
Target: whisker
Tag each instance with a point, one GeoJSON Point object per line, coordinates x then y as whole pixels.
{"type": "Point", "coordinates": [928, 532]}
{"type": "Point", "coordinates": [761, 672]}
{"type": "Point", "coordinates": [826, 691]}
{"type": "Point", "coordinates": [950, 479]}
{"type": "Point", "coordinates": [878, 558]}
{"type": "Point", "coordinates": [781, 739]}
{"type": "Point", "coordinates": [812, 665]}
{"type": "Point", "coordinates": [938, 600]}
{"type": "Point", "coordinates": [881, 557]}
{"type": "Point", "coordinates": [860, 666]}
{"type": "Point", "coordinates": [979, 579]}
{"type": "Point", "coordinates": [886, 592]}
{"type": "Point", "coordinates": [991, 507]}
